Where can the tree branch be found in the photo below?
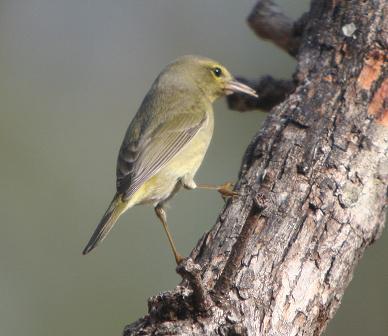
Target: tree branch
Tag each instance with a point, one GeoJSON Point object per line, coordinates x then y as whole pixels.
{"type": "Point", "coordinates": [313, 193]}
{"type": "Point", "coordinates": [270, 23]}
{"type": "Point", "coordinates": [271, 92]}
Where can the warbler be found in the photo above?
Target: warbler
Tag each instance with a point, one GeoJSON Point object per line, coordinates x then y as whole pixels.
{"type": "Point", "coordinates": [167, 140]}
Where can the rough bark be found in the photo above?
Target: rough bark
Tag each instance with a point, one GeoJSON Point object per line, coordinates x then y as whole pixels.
{"type": "Point", "coordinates": [313, 192]}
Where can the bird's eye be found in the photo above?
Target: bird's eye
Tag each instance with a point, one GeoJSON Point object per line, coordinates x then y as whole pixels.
{"type": "Point", "coordinates": [217, 72]}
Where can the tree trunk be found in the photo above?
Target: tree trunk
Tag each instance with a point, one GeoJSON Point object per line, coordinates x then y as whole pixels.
{"type": "Point", "coordinates": [313, 187]}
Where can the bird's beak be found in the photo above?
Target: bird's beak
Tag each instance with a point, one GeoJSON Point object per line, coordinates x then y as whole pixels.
{"type": "Point", "coordinates": [234, 86]}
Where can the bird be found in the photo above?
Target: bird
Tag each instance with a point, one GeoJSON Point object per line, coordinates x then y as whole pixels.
{"type": "Point", "coordinates": [167, 139]}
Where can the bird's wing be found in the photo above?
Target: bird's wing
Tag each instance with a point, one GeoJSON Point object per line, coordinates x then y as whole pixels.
{"type": "Point", "coordinates": [141, 159]}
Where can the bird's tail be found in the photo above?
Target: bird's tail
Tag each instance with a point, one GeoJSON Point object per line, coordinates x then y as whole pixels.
{"type": "Point", "coordinates": [116, 208]}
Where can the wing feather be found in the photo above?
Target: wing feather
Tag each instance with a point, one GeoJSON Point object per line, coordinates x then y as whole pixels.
{"type": "Point", "coordinates": [140, 160]}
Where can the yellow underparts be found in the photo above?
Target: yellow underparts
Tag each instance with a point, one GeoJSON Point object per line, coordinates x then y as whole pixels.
{"type": "Point", "coordinates": [163, 185]}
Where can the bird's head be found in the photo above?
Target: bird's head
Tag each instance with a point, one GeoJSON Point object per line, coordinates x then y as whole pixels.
{"type": "Point", "coordinates": [207, 75]}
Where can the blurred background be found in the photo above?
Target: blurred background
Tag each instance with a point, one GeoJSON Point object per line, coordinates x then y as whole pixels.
{"type": "Point", "coordinates": [72, 75]}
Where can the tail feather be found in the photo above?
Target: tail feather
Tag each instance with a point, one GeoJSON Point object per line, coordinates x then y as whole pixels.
{"type": "Point", "coordinates": [116, 208]}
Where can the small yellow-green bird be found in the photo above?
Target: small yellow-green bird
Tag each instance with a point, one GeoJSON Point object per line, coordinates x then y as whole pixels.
{"type": "Point", "coordinates": [167, 139]}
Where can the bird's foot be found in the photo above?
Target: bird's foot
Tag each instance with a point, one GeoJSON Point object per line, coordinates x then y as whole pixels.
{"type": "Point", "coordinates": [226, 190]}
{"type": "Point", "coordinates": [178, 258]}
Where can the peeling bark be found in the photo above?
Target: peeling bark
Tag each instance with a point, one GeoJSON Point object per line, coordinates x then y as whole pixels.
{"type": "Point", "coordinates": [313, 193]}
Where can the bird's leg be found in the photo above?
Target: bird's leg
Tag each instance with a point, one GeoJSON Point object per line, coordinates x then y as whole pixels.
{"type": "Point", "coordinates": [226, 189]}
{"type": "Point", "coordinates": [163, 218]}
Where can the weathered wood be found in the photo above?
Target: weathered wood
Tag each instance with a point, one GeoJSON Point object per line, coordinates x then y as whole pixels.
{"type": "Point", "coordinates": [270, 23]}
{"type": "Point", "coordinates": [313, 194]}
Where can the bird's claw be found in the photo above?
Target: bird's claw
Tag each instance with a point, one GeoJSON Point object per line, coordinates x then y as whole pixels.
{"type": "Point", "coordinates": [226, 190]}
{"type": "Point", "coordinates": [179, 259]}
